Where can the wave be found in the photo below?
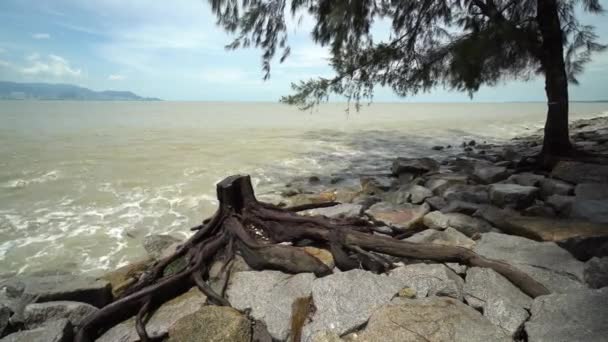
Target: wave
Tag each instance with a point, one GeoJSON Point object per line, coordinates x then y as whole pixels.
{"type": "Point", "coordinates": [22, 183]}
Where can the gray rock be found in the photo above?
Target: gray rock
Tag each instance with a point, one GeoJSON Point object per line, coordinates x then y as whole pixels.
{"type": "Point", "coordinates": [157, 243]}
{"type": "Point", "coordinates": [429, 280]}
{"type": "Point", "coordinates": [561, 204]}
{"type": "Point", "coordinates": [525, 179]}
{"type": "Point", "coordinates": [487, 174]}
{"type": "Point", "coordinates": [337, 211]}
{"type": "Point", "coordinates": [546, 262]}
{"type": "Point", "coordinates": [539, 210]}
{"type": "Point", "coordinates": [37, 314]}
{"type": "Point", "coordinates": [483, 284]}
{"type": "Point", "coordinates": [162, 319]}
{"type": "Point", "coordinates": [467, 193]}
{"type": "Point", "coordinates": [447, 237]}
{"type": "Point", "coordinates": [400, 217]}
{"type": "Point", "coordinates": [549, 186]}
{"type": "Point", "coordinates": [62, 287]}
{"type": "Point", "coordinates": [596, 272]}
{"type": "Point", "coordinates": [585, 248]}
{"type": "Point", "coordinates": [211, 324]}
{"type": "Point", "coordinates": [459, 269]}
{"type": "Point", "coordinates": [326, 336]}
{"type": "Point", "coordinates": [465, 224]}
{"type": "Point", "coordinates": [375, 184]}
{"type": "Point", "coordinates": [411, 193]}
{"type": "Point", "coordinates": [576, 172]}
{"type": "Point", "coordinates": [269, 295]}
{"type": "Point", "coordinates": [436, 202]}
{"type": "Point", "coordinates": [55, 331]}
{"type": "Point", "coordinates": [429, 319]}
{"type": "Point", "coordinates": [591, 210]}
{"type": "Point", "coordinates": [468, 208]}
{"type": "Point", "coordinates": [517, 196]}
{"type": "Point", "coordinates": [505, 314]}
{"type": "Point", "coordinates": [573, 316]}
{"type": "Point", "coordinates": [441, 182]}
{"type": "Point", "coordinates": [591, 191]}
{"type": "Point", "coordinates": [415, 166]}
{"type": "Point", "coordinates": [5, 314]}
{"type": "Point", "coordinates": [345, 300]}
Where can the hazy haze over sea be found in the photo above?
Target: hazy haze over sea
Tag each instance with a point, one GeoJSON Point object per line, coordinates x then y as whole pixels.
{"type": "Point", "coordinates": [81, 183]}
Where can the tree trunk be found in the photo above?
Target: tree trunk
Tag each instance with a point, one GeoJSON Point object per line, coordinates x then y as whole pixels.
{"type": "Point", "coordinates": [557, 140]}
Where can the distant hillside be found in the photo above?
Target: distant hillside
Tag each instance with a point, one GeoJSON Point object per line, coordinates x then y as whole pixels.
{"type": "Point", "coordinates": [49, 91]}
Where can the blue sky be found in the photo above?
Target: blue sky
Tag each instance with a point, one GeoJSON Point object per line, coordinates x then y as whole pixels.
{"type": "Point", "coordinates": [173, 50]}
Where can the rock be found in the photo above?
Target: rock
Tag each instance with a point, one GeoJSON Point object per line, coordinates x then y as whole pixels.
{"type": "Point", "coordinates": [322, 197]}
{"type": "Point", "coordinates": [407, 292]}
{"type": "Point", "coordinates": [59, 330]}
{"type": "Point", "coordinates": [345, 300]}
{"type": "Point", "coordinates": [539, 210]}
{"type": "Point", "coordinates": [326, 336]}
{"type": "Point", "coordinates": [5, 314]}
{"type": "Point", "coordinates": [487, 174]}
{"type": "Point", "coordinates": [37, 314]}
{"type": "Point", "coordinates": [269, 295]}
{"type": "Point", "coordinates": [337, 211]}
{"type": "Point", "coordinates": [415, 166]}
{"type": "Point", "coordinates": [411, 193]}
{"type": "Point", "coordinates": [460, 269]}
{"type": "Point", "coordinates": [561, 204]}
{"type": "Point", "coordinates": [402, 217]}
{"type": "Point", "coordinates": [375, 185]}
{"type": "Point", "coordinates": [465, 224]}
{"type": "Point", "coordinates": [429, 319]}
{"type": "Point", "coordinates": [441, 182]}
{"type": "Point", "coordinates": [429, 280]}
{"type": "Point", "coordinates": [573, 316]}
{"type": "Point", "coordinates": [591, 210]}
{"type": "Point", "coordinates": [585, 248]}
{"type": "Point", "coordinates": [576, 172]}
{"type": "Point", "coordinates": [546, 262]}
{"type": "Point", "coordinates": [596, 272]}
{"type": "Point", "coordinates": [462, 207]}
{"type": "Point", "coordinates": [517, 196]}
{"type": "Point", "coordinates": [211, 324]}
{"type": "Point", "coordinates": [346, 195]}
{"type": "Point", "coordinates": [63, 287]}
{"type": "Point", "coordinates": [549, 186]}
{"type": "Point", "coordinates": [161, 320]}
{"type": "Point", "coordinates": [509, 317]}
{"type": "Point", "coordinates": [447, 237]}
{"type": "Point", "coordinates": [467, 193]}
{"type": "Point", "coordinates": [437, 148]}
{"type": "Point", "coordinates": [525, 179]}
{"type": "Point", "coordinates": [323, 255]}
{"type": "Point", "coordinates": [155, 244]}
{"type": "Point", "coordinates": [121, 278]}
{"type": "Point", "coordinates": [591, 191]}
{"type": "Point", "coordinates": [483, 284]}
{"type": "Point", "coordinates": [436, 202]}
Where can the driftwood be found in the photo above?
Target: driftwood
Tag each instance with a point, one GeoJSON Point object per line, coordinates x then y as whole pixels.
{"type": "Point", "coordinates": [255, 230]}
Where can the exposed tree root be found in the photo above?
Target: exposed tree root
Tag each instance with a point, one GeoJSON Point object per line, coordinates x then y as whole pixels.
{"type": "Point", "coordinates": [255, 230]}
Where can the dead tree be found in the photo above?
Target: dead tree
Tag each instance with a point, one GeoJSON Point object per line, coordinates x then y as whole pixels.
{"type": "Point", "coordinates": [255, 230]}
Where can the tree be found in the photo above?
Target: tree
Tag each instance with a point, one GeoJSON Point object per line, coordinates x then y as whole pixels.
{"type": "Point", "coordinates": [458, 44]}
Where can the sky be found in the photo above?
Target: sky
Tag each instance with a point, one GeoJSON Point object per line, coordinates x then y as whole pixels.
{"type": "Point", "coordinates": [174, 50]}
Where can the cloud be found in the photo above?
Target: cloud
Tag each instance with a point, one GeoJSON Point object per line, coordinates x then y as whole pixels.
{"type": "Point", "coordinates": [4, 64]}
{"type": "Point", "coordinates": [116, 77]}
{"type": "Point", "coordinates": [41, 36]}
{"type": "Point", "coordinates": [52, 65]}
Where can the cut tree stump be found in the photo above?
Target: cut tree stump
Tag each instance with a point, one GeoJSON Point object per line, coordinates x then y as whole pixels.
{"type": "Point", "coordinates": [255, 230]}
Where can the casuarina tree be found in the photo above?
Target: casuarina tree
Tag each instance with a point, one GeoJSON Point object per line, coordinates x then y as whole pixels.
{"type": "Point", "coordinates": [458, 44]}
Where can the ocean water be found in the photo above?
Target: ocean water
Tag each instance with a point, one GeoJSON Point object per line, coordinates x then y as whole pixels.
{"type": "Point", "coordinates": [81, 183]}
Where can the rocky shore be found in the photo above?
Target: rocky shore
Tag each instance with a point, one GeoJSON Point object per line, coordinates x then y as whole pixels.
{"type": "Point", "coordinates": [553, 226]}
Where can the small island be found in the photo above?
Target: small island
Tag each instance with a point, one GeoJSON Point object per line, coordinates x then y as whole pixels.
{"type": "Point", "coordinates": [51, 91]}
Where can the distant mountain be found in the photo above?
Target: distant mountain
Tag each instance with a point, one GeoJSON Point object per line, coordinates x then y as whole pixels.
{"type": "Point", "coordinates": [49, 91]}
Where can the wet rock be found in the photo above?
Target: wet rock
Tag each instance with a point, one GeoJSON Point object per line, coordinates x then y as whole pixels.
{"type": "Point", "coordinates": [546, 262]}
{"type": "Point", "coordinates": [447, 237]}
{"type": "Point", "coordinates": [487, 174]}
{"type": "Point", "coordinates": [37, 314]}
{"type": "Point", "coordinates": [415, 166]}
{"type": "Point", "coordinates": [484, 284]}
{"type": "Point", "coordinates": [322, 197]}
{"type": "Point", "coordinates": [465, 224]}
{"type": "Point", "coordinates": [441, 182]}
{"type": "Point", "coordinates": [467, 193]}
{"type": "Point", "coordinates": [561, 204]}
{"type": "Point", "coordinates": [337, 211]}
{"type": "Point", "coordinates": [591, 210]}
{"type": "Point", "coordinates": [211, 324]}
{"type": "Point", "coordinates": [63, 287]}
{"type": "Point", "coordinates": [429, 280]}
{"type": "Point", "coordinates": [549, 186]}
{"type": "Point", "coordinates": [437, 148]}
{"type": "Point", "coordinates": [123, 277]}
{"type": "Point", "coordinates": [596, 272]}
{"type": "Point", "coordinates": [436, 202]}
{"type": "Point", "coordinates": [505, 314]}
{"type": "Point", "coordinates": [400, 217]}
{"type": "Point", "coordinates": [576, 172]}
{"type": "Point", "coordinates": [591, 191]}
{"type": "Point", "coordinates": [585, 248]}
{"type": "Point", "coordinates": [525, 179]}
{"type": "Point", "coordinates": [323, 255]}
{"type": "Point", "coordinates": [375, 185]}
{"type": "Point", "coordinates": [429, 319]}
{"type": "Point", "coordinates": [157, 243]}
{"type": "Point", "coordinates": [59, 330]}
{"type": "Point", "coordinates": [468, 208]}
{"type": "Point", "coordinates": [160, 321]}
{"type": "Point", "coordinates": [539, 210]}
{"type": "Point", "coordinates": [269, 295]}
{"type": "Point", "coordinates": [411, 193]}
{"type": "Point", "coordinates": [517, 196]}
{"type": "Point", "coordinates": [345, 300]}
{"type": "Point", "coordinates": [573, 316]}
{"type": "Point", "coordinates": [5, 314]}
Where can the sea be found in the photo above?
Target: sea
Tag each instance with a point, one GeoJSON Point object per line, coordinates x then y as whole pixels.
{"type": "Point", "coordinates": [82, 183]}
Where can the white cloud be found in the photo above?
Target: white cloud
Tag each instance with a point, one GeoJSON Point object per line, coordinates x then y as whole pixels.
{"type": "Point", "coordinates": [4, 64]}
{"type": "Point", "coordinates": [225, 75]}
{"type": "Point", "coordinates": [116, 77]}
{"type": "Point", "coordinates": [41, 36]}
{"type": "Point", "coordinates": [52, 65]}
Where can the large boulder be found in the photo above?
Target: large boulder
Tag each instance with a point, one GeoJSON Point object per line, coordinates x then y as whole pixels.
{"type": "Point", "coordinates": [591, 191]}
{"type": "Point", "coordinates": [573, 316]}
{"type": "Point", "coordinates": [487, 174]}
{"type": "Point", "coordinates": [160, 321]}
{"type": "Point", "coordinates": [512, 195]}
{"type": "Point", "coordinates": [429, 280]}
{"type": "Point", "coordinates": [269, 295]}
{"type": "Point", "coordinates": [576, 172]}
{"type": "Point", "coordinates": [448, 237]}
{"type": "Point", "coordinates": [441, 182]}
{"type": "Point", "coordinates": [414, 166]}
{"type": "Point", "coordinates": [467, 193]}
{"type": "Point", "coordinates": [482, 284]}
{"type": "Point", "coordinates": [596, 272]}
{"type": "Point", "coordinates": [525, 179]}
{"type": "Point", "coordinates": [59, 330]}
{"type": "Point", "coordinates": [469, 226]}
{"type": "Point", "coordinates": [550, 186]}
{"type": "Point", "coordinates": [156, 244]}
{"type": "Point", "coordinates": [211, 324]}
{"type": "Point", "coordinates": [337, 211]}
{"type": "Point", "coordinates": [546, 262]}
{"type": "Point", "coordinates": [411, 193]}
{"type": "Point", "coordinates": [438, 319]}
{"type": "Point", "coordinates": [38, 314]}
{"type": "Point", "coordinates": [505, 314]}
{"type": "Point", "coordinates": [591, 210]}
{"type": "Point", "coordinates": [401, 217]}
{"type": "Point", "coordinates": [127, 275]}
